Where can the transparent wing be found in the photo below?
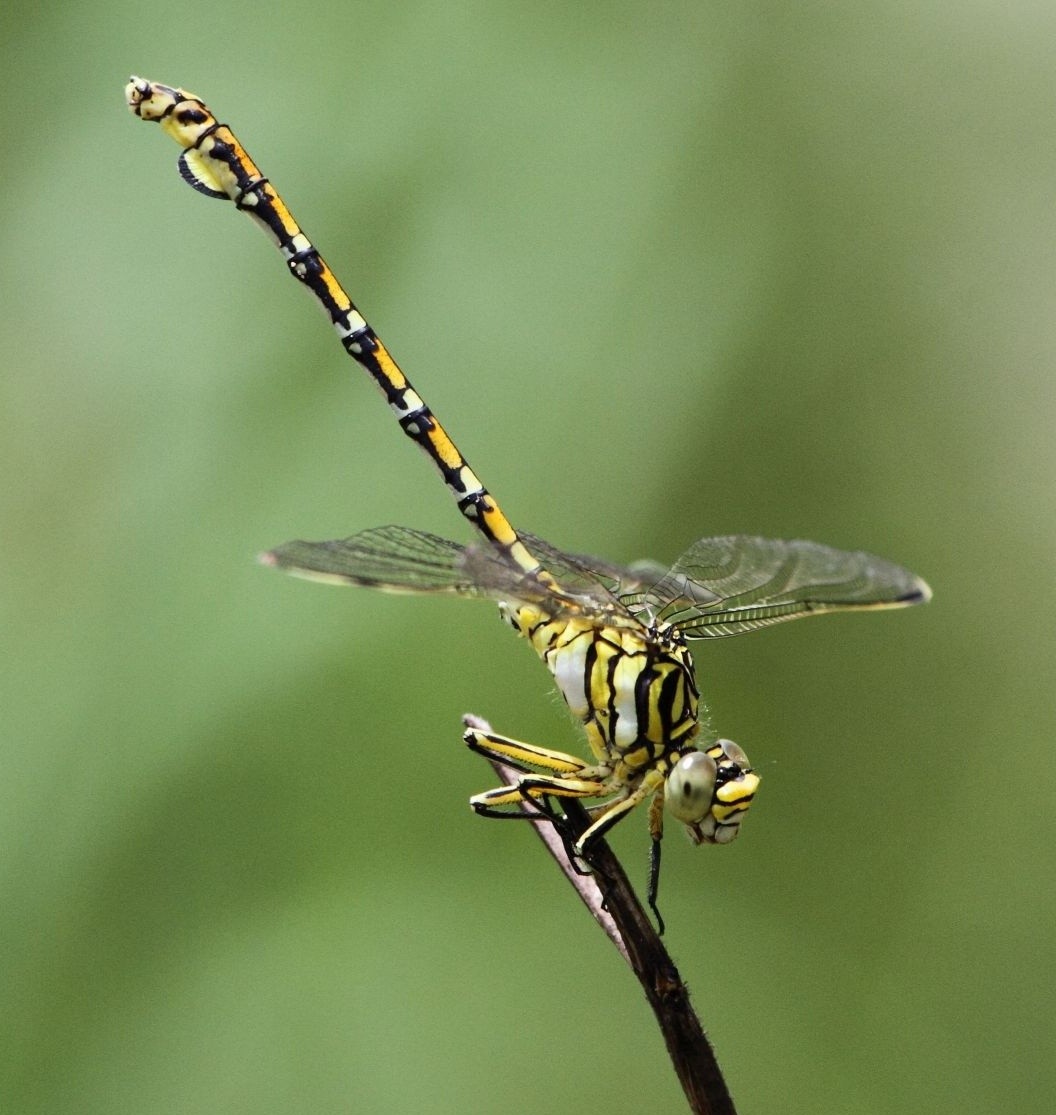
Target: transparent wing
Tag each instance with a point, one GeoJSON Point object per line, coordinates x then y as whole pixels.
{"type": "Point", "coordinates": [720, 586]}
{"type": "Point", "coordinates": [734, 584]}
{"type": "Point", "coordinates": [392, 559]}
{"type": "Point", "coordinates": [595, 585]}
{"type": "Point", "coordinates": [402, 560]}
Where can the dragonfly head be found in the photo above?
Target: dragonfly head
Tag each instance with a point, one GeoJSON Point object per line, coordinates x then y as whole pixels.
{"type": "Point", "coordinates": [709, 791]}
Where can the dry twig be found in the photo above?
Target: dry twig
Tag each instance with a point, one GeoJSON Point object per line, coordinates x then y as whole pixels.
{"type": "Point", "coordinates": [613, 904]}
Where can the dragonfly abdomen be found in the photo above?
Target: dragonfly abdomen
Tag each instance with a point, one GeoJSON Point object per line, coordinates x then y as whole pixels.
{"type": "Point", "coordinates": [215, 163]}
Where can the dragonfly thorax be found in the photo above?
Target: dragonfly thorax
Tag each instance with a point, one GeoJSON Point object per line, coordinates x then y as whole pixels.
{"type": "Point", "coordinates": [633, 687]}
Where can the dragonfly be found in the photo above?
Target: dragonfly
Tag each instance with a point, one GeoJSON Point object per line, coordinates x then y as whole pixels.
{"type": "Point", "coordinates": [615, 638]}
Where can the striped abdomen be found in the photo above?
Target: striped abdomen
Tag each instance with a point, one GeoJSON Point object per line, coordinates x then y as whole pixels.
{"type": "Point", "coordinates": [215, 163]}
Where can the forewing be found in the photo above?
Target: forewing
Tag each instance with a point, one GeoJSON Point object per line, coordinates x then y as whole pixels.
{"type": "Point", "coordinates": [392, 559]}
{"type": "Point", "coordinates": [399, 559]}
{"type": "Point", "coordinates": [592, 586]}
{"type": "Point", "coordinates": [730, 585]}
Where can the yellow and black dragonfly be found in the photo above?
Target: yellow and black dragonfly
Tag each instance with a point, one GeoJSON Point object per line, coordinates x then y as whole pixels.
{"type": "Point", "coordinates": [614, 638]}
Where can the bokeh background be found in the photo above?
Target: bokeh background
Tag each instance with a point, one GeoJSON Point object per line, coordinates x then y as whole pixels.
{"type": "Point", "coordinates": [665, 271]}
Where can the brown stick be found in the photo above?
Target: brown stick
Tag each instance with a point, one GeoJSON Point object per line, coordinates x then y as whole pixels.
{"type": "Point", "coordinates": [619, 913]}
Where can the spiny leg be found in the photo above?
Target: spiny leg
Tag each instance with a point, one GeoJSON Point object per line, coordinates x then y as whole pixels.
{"type": "Point", "coordinates": [532, 795]}
{"type": "Point", "coordinates": [533, 792]}
{"type": "Point", "coordinates": [652, 783]}
{"type": "Point", "coordinates": [515, 753]}
{"type": "Point", "coordinates": [656, 830]}
{"type": "Point", "coordinates": [532, 787]}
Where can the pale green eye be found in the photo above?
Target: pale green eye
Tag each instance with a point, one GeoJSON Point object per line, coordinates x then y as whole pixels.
{"type": "Point", "coordinates": [691, 786]}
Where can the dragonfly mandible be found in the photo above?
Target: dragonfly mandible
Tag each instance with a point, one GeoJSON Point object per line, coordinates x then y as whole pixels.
{"type": "Point", "coordinates": [613, 637]}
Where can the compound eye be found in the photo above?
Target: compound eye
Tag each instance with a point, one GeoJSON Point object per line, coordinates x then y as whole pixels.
{"type": "Point", "coordinates": [734, 753]}
{"type": "Point", "coordinates": [690, 787]}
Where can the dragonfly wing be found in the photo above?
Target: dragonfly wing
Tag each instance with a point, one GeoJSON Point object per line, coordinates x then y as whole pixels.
{"type": "Point", "coordinates": [594, 586]}
{"type": "Point", "coordinates": [401, 560]}
{"type": "Point", "coordinates": [392, 559]}
{"type": "Point", "coordinates": [730, 585]}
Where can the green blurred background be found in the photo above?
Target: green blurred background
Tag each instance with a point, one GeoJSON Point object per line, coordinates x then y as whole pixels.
{"type": "Point", "coordinates": [665, 271]}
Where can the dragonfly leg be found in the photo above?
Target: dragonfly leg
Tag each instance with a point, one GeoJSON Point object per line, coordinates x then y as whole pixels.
{"type": "Point", "coordinates": [534, 793]}
{"type": "Point", "coordinates": [523, 756]}
{"type": "Point", "coordinates": [656, 829]}
{"type": "Point", "coordinates": [533, 787]}
{"type": "Point", "coordinates": [572, 778]}
{"type": "Point", "coordinates": [608, 814]}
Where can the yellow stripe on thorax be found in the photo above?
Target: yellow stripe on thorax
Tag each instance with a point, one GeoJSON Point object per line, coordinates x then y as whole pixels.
{"type": "Point", "coordinates": [634, 693]}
